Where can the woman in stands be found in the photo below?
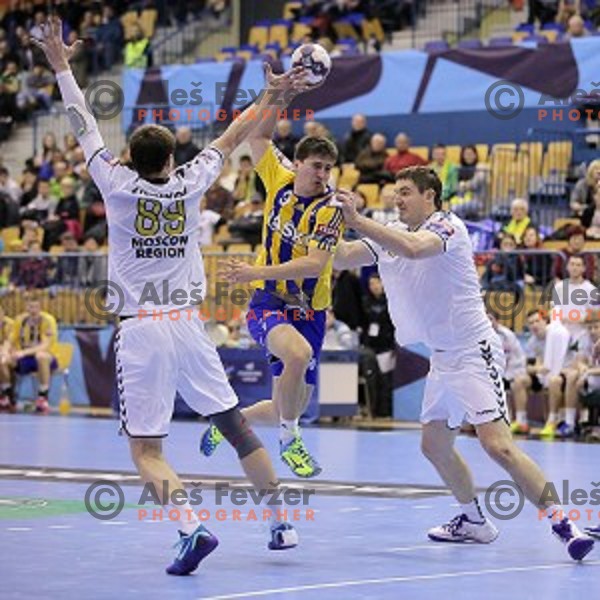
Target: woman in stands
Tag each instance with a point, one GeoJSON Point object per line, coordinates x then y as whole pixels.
{"type": "Point", "coordinates": [537, 267]}
{"type": "Point", "coordinates": [472, 180]}
{"type": "Point", "coordinates": [583, 192]}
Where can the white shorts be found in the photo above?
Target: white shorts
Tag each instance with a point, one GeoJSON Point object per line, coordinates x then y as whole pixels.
{"type": "Point", "coordinates": [466, 385]}
{"type": "Point", "coordinates": [156, 358]}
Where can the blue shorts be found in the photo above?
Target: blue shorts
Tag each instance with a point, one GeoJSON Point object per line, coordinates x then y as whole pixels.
{"type": "Point", "coordinates": [29, 364]}
{"type": "Point", "coordinates": [267, 311]}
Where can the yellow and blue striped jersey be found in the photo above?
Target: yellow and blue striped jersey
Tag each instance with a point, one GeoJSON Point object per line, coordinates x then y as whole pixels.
{"type": "Point", "coordinates": [28, 332]}
{"type": "Point", "coordinates": [292, 225]}
{"type": "Point", "coordinates": [6, 328]}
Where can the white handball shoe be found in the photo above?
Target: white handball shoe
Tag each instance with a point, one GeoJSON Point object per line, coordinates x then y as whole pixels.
{"type": "Point", "coordinates": [461, 529]}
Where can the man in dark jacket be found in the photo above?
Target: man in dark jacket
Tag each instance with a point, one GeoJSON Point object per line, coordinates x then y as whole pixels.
{"type": "Point", "coordinates": [356, 140]}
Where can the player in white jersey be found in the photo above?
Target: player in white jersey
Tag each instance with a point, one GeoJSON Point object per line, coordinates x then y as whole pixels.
{"type": "Point", "coordinates": [426, 265]}
{"type": "Point", "coordinates": [155, 267]}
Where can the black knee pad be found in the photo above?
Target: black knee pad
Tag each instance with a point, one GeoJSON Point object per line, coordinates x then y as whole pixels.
{"type": "Point", "coordinates": [237, 431]}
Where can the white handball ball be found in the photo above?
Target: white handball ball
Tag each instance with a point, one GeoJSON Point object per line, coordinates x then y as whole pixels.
{"type": "Point", "coordinates": [315, 59]}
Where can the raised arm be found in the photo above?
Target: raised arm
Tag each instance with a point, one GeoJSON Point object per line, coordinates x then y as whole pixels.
{"type": "Point", "coordinates": [350, 255]}
{"type": "Point", "coordinates": [58, 54]}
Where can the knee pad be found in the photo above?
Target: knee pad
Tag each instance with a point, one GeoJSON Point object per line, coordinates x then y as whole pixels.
{"type": "Point", "coordinates": [237, 431]}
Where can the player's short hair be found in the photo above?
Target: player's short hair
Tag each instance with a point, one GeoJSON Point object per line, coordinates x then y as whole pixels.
{"type": "Point", "coordinates": [315, 146]}
{"type": "Point", "coordinates": [150, 147]}
{"type": "Point", "coordinates": [577, 256]}
{"type": "Point", "coordinates": [424, 178]}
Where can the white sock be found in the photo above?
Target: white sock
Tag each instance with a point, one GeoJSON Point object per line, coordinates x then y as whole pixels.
{"type": "Point", "coordinates": [278, 511]}
{"type": "Point", "coordinates": [188, 520]}
{"type": "Point", "coordinates": [584, 415]}
{"type": "Point", "coordinates": [473, 511]}
{"type": "Point", "coordinates": [570, 416]}
{"type": "Point", "coordinates": [522, 417]}
{"type": "Point", "coordinates": [288, 430]}
{"type": "Point", "coordinates": [552, 418]}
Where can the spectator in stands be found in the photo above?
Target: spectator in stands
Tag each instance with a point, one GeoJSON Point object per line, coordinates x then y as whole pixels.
{"type": "Point", "coordinates": [445, 170]}
{"type": "Point", "coordinates": [239, 336]}
{"type": "Point", "coordinates": [9, 186]}
{"type": "Point", "coordinates": [209, 222]}
{"type": "Point", "coordinates": [33, 272]}
{"type": "Point", "coordinates": [520, 220]}
{"type": "Point", "coordinates": [11, 87]}
{"type": "Point", "coordinates": [544, 11]}
{"type": "Point", "coordinates": [248, 227]}
{"type": "Point", "coordinates": [39, 87]}
{"type": "Point", "coordinates": [88, 192]}
{"type": "Point", "coordinates": [472, 185]}
{"type": "Point", "coordinates": [49, 147]}
{"type": "Point", "coordinates": [371, 161]}
{"type": "Point", "coordinates": [79, 61]}
{"type": "Point", "coordinates": [356, 140]}
{"type": "Point", "coordinates": [7, 401]}
{"type": "Point", "coordinates": [403, 157]}
{"type": "Point", "coordinates": [347, 299]}
{"type": "Point", "coordinates": [246, 182]}
{"type": "Point", "coordinates": [109, 38]}
{"type": "Point", "coordinates": [389, 211]}
{"type": "Point", "coordinates": [535, 379]}
{"type": "Point", "coordinates": [42, 206]}
{"type": "Point", "coordinates": [338, 336]}
{"type": "Point", "coordinates": [583, 192]}
{"type": "Point", "coordinates": [34, 340]}
{"type": "Point", "coordinates": [29, 186]}
{"type": "Point", "coordinates": [513, 353]}
{"type": "Point", "coordinates": [137, 49]}
{"type": "Point", "coordinates": [92, 269]}
{"type": "Point", "coordinates": [379, 336]}
{"type": "Point", "coordinates": [536, 266]}
{"type": "Point", "coordinates": [185, 149]}
{"type": "Point", "coordinates": [504, 272]}
{"type": "Point", "coordinates": [575, 245]}
{"type": "Point", "coordinates": [590, 219]}
{"type": "Point", "coordinates": [67, 267]}
{"type": "Point", "coordinates": [220, 200]}
{"type": "Point", "coordinates": [576, 28]}
{"type": "Point", "coordinates": [284, 139]}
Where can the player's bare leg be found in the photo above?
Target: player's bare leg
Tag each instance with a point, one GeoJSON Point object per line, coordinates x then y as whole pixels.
{"type": "Point", "coordinates": [555, 398]}
{"type": "Point", "coordinates": [6, 399]}
{"type": "Point", "coordinates": [567, 429]}
{"type": "Point", "coordinates": [437, 444]}
{"type": "Point", "coordinates": [44, 360]}
{"type": "Point", "coordinates": [497, 441]}
{"type": "Point", "coordinates": [520, 389]}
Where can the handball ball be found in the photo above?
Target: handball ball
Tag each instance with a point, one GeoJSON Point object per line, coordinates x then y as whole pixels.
{"type": "Point", "coordinates": [315, 60]}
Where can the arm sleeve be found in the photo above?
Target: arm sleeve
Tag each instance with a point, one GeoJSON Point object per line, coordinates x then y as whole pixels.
{"type": "Point", "coordinates": [204, 169]}
{"type": "Point", "coordinates": [444, 229]}
{"type": "Point", "coordinates": [99, 161]}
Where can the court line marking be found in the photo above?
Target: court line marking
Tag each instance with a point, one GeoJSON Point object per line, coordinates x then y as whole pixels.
{"type": "Point", "coordinates": [60, 526]}
{"type": "Point", "coordinates": [384, 580]}
{"type": "Point", "coordinates": [421, 547]}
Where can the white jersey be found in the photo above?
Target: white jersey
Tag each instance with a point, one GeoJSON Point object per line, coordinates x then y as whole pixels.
{"type": "Point", "coordinates": [535, 348]}
{"type": "Point", "coordinates": [516, 361]}
{"type": "Point", "coordinates": [573, 303]}
{"type": "Point", "coordinates": [154, 259]}
{"type": "Point", "coordinates": [435, 300]}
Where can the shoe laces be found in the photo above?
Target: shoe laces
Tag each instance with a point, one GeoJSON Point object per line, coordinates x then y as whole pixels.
{"type": "Point", "coordinates": [455, 524]}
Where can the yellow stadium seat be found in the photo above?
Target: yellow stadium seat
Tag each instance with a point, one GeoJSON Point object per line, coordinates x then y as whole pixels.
{"type": "Point", "coordinates": [557, 157]}
{"type": "Point", "coordinates": [128, 21]}
{"type": "Point", "coordinates": [373, 28]}
{"type": "Point", "coordinates": [345, 30]}
{"type": "Point", "coordinates": [562, 222]}
{"type": "Point", "coordinates": [482, 152]}
{"type": "Point", "coordinates": [239, 248]}
{"type": "Point", "coordinates": [334, 176]}
{"type": "Point", "coordinates": [258, 36]}
{"type": "Point", "coordinates": [299, 32]}
{"type": "Point", "coordinates": [10, 235]}
{"type": "Point", "coordinates": [518, 36]}
{"type": "Point", "coordinates": [453, 154]}
{"type": "Point", "coordinates": [535, 152]}
{"type": "Point", "coordinates": [279, 34]}
{"type": "Point", "coordinates": [422, 151]}
{"type": "Point", "coordinates": [370, 191]}
{"type": "Point", "coordinates": [390, 151]}
{"type": "Point", "coordinates": [349, 177]}
{"type": "Point", "coordinates": [56, 249]}
{"type": "Point", "coordinates": [550, 34]}
{"type": "Point", "coordinates": [289, 9]}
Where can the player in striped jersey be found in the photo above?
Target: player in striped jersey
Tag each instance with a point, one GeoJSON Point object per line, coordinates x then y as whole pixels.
{"type": "Point", "coordinates": [7, 402]}
{"type": "Point", "coordinates": [292, 282]}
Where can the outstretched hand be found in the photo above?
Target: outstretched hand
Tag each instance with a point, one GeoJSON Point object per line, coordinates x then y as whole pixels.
{"type": "Point", "coordinates": [292, 82]}
{"type": "Point", "coordinates": [236, 271]}
{"type": "Point", "coordinates": [52, 45]}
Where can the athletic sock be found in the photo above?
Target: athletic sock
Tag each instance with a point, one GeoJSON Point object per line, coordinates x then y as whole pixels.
{"type": "Point", "coordinates": [473, 511]}
{"type": "Point", "coordinates": [552, 418]}
{"type": "Point", "coordinates": [188, 521]}
{"type": "Point", "coordinates": [554, 512]}
{"type": "Point", "coordinates": [522, 417]}
{"type": "Point", "coordinates": [288, 430]}
{"type": "Point", "coordinates": [570, 416]}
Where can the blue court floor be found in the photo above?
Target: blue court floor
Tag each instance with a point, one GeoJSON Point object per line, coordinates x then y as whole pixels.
{"type": "Point", "coordinates": [367, 538]}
